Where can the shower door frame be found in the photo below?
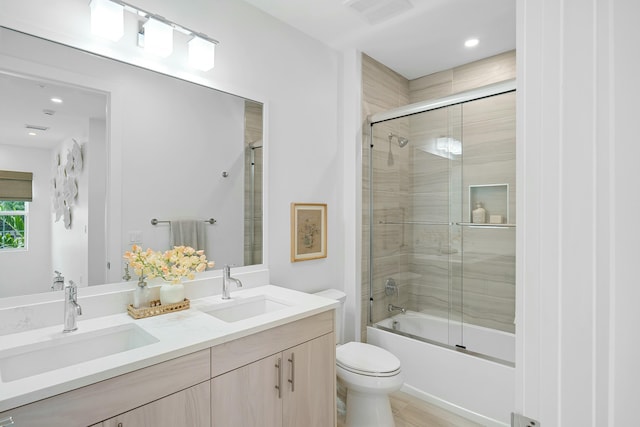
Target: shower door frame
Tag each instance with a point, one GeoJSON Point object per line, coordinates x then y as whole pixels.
{"type": "Point", "coordinates": [494, 89]}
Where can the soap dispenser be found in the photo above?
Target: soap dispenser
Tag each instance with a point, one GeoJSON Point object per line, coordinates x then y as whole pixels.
{"type": "Point", "coordinates": [479, 214]}
{"type": "Point", "coordinates": [141, 294]}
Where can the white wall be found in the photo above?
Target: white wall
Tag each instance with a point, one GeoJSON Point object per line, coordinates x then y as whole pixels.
{"type": "Point", "coordinates": [34, 264]}
{"type": "Point", "coordinates": [174, 170]}
{"type": "Point", "coordinates": [258, 58]}
{"type": "Point", "coordinates": [577, 285]}
{"type": "Point", "coordinates": [70, 246]}
{"type": "Point", "coordinates": [97, 167]}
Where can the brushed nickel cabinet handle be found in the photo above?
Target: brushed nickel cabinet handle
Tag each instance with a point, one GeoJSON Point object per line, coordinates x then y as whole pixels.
{"type": "Point", "coordinates": [279, 377]}
{"type": "Point", "coordinates": [292, 380]}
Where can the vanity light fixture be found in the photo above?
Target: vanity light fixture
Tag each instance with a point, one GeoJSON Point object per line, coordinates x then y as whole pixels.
{"type": "Point", "coordinates": [202, 53]}
{"type": "Point", "coordinates": [155, 35]}
{"type": "Point", "coordinates": [107, 19]}
{"type": "Point", "coordinates": [158, 38]}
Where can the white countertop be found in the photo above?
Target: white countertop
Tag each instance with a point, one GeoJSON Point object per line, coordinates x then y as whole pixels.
{"type": "Point", "coordinates": [178, 334]}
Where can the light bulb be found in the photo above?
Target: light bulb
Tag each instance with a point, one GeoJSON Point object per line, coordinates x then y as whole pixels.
{"type": "Point", "coordinates": [201, 53]}
{"type": "Point", "coordinates": [158, 38]}
{"type": "Point", "coordinates": [107, 19]}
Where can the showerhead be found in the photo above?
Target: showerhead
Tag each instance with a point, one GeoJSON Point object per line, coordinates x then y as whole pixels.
{"type": "Point", "coordinates": [402, 141]}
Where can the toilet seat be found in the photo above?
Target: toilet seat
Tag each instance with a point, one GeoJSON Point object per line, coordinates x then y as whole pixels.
{"type": "Point", "coordinates": [366, 359]}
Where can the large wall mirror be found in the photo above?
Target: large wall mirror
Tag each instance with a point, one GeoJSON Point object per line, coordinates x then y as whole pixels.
{"type": "Point", "coordinates": [125, 146]}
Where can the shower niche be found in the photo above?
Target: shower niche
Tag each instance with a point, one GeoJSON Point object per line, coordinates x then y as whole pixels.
{"type": "Point", "coordinates": [494, 199]}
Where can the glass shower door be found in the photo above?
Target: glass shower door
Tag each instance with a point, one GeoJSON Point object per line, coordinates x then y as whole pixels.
{"type": "Point", "coordinates": [415, 201]}
{"type": "Point", "coordinates": [428, 255]}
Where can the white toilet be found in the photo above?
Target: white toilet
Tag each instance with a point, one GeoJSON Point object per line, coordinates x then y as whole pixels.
{"type": "Point", "coordinates": [368, 372]}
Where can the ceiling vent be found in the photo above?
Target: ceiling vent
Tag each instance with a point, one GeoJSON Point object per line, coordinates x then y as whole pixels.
{"type": "Point", "coordinates": [36, 127]}
{"type": "Point", "coordinates": [376, 11]}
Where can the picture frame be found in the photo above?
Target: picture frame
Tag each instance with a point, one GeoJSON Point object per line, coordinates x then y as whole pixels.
{"type": "Point", "coordinates": [308, 231]}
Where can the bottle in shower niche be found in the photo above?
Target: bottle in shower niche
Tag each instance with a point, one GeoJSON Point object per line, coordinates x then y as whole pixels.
{"type": "Point", "coordinates": [479, 214]}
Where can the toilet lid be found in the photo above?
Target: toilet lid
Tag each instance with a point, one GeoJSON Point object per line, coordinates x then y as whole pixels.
{"type": "Point", "coordinates": [367, 359]}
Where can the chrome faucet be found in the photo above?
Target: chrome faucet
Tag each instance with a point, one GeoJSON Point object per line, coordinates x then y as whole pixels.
{"type": "Point", "coordinates": [71, 307]}
{"type": "Point", "coordinates": [226, 278]}
{"type": "Point", "coordinates": [58, 281]}
{"type": "Point", "coordinates": [392, 308]}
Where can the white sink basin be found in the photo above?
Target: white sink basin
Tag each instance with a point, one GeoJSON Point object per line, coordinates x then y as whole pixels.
{"type": "Point", "coordinates": [70, 349]}
{"type": "Point", "coordinates": [243, 309]}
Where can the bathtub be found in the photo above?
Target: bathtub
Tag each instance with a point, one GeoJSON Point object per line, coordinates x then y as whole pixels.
{"type": "Point", "coordinates": [485, 341]}
{"type": "Point", "coordinates": [477, 383]}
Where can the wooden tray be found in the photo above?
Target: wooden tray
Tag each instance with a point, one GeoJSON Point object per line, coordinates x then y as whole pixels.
{"type": "Point", "coordinates": [156, 309]}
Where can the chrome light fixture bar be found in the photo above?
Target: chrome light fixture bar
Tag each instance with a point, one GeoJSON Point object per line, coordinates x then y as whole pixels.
{"type": "Point", "coordinates": [156, 34]}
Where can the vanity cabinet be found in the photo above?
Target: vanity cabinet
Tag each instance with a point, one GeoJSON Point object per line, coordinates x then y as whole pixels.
{"type": "Point", "coordinates": [102, 400]}
{"type": "Point", "coordinates": [188, 407]}
{"type": "Point", "coordinates": [230, 384]}
{"type": "Point", "coordinates": [293, 386]}
{"type": "Point", "coordinates": [247, 396]}
{"type": "Point", "coordinates": [310, 399]}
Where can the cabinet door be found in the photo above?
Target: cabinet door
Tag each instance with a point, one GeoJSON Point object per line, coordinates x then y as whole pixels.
{"type": "Point", "coordinates": [310, 388]}
{"type": "Point", "coordinates": [189, 408]}
{"type": "Point", "coordinates": [247, 396]}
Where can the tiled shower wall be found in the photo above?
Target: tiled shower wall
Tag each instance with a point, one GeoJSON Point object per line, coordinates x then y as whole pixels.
{"type": "Point", "coordinates": [383, 89]}
{"type": "Point", "coordinates": [253, 219]}
{"type": "Point", "coordinates": [411, 187]}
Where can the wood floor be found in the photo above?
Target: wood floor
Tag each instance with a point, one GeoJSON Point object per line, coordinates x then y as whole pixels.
{"type": "Point", "coordinates": [409, 411]}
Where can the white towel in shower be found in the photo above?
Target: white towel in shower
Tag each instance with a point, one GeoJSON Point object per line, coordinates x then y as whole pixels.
{"type": "Point", "coordinates": [187, 232]}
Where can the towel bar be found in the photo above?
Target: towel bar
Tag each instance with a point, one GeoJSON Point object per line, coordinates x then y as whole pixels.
{"type": "Point", "coordinates": [156, 221]}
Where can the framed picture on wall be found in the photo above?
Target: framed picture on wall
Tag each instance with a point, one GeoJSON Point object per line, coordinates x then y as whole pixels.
{"type": "Point", "coordinates": [308, 231]}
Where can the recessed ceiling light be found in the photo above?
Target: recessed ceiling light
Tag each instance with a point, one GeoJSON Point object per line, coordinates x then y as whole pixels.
{"type": "Point", "coordinates": [32, 133]}
{"type": "Point", "coordinates": [56, 100]}
{"type": "Point", "coordinates": [471, 43]}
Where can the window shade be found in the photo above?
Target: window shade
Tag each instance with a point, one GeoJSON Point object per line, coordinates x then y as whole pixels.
{"type": "Point", "coordinates": [16, 186]}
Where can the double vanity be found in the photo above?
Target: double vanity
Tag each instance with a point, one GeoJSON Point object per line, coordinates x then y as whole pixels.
{"type": "Point", "coordinates": [266, 357]}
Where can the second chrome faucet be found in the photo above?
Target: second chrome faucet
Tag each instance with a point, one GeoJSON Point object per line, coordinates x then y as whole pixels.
{"type": "Point", "coordinates": [71, 307]}
{"type": "Point", "coordinates": [226, 279]}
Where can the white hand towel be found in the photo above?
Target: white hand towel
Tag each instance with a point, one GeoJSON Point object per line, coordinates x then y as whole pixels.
{"type": "Point", "coordinates": [189, 233]}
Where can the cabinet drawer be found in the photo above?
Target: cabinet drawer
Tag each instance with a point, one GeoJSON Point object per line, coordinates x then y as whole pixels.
{"type": "Point", "coordinates": [96, 402]}
{"type": "Point", "coordinates": [234, 354]}
{"type": "Point", "coordinates": [190, 407]}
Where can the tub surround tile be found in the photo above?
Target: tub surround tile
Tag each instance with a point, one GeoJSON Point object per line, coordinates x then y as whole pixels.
{"type": "Point", "coordinates": [485, 71]}
{"type": "Point", "coordinates": [432, 86]}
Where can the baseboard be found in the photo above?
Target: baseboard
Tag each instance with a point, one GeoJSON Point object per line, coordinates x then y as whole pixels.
{"type": "Point", "coordinates": [470, 415]}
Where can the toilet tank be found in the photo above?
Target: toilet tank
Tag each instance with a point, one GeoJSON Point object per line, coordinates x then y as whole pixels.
{"type": "Point", "coordinates": [340, 296]}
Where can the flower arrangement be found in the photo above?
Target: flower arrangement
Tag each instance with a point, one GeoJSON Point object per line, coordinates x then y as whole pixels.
{"type": "Point", "coordinates": [171, 266]}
